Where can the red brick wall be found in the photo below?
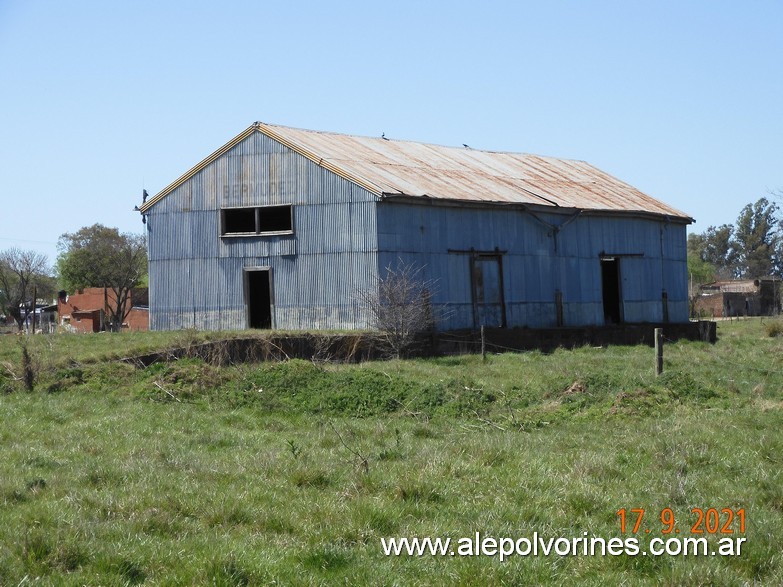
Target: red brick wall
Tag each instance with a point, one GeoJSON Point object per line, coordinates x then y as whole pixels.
{"type": "Point", "coordinates": [709, 306]}
{"type": "Point", "coordinates": [86, 321]}
{"type": "Point", "coordinates": [138, 319]}
{"type": "Point", "coordinates": [92, 300]}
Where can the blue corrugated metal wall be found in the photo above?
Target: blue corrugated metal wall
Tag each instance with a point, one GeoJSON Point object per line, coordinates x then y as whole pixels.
{"type": "Point", "coordinates": [538, 261]}
{"type": "Point", "coordinates": [196, 276]}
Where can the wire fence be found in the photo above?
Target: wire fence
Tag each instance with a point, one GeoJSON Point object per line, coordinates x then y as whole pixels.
{"type": "Point", "coordinates": [677, 351]}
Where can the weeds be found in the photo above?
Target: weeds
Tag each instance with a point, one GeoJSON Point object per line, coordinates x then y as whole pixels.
{"type": "Point", "coordinates": [294, 449]}
{"type": "Point", "coordinates": [28, 371]}
{"type": "Point", "coordinates": [361, 461]}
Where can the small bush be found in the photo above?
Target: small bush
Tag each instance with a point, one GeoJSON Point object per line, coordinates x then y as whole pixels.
{"type": "Point", "coordinates": [774, 328]}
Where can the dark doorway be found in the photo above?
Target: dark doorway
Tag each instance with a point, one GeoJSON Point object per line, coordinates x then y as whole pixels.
{"type": "Point", "coordinates": [487, 280]}
{"type": "Point", "coordinates": [259, 298]}
{"type": "Point", "coordinates": [610, 283]}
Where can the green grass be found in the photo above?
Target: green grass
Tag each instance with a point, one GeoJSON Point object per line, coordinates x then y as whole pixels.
{"type": "Point", "coordinates": [186, 473]}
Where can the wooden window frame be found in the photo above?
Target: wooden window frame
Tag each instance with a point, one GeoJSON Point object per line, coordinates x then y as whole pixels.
{"type": "Point", "coordinates": [257, 212]}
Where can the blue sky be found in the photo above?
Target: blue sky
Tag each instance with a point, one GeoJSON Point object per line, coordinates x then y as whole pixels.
{"type": "Point", "coordinates": [99, 100]}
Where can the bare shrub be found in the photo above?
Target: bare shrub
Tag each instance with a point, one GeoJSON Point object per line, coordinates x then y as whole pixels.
{"type": "Point", "coordinates": [33, 362]}
{"type": "Point", "coordinates": [28, 368]}
{"type": "Point", "coordinates": [400, 307]}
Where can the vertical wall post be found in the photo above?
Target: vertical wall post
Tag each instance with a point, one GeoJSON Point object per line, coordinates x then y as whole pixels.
{"type": "Point", "coordinates": [665, 304]}
{"type": "Point", "coordinates": [559, 307]}
{"type": "Point", "coordinates": [658, 351]}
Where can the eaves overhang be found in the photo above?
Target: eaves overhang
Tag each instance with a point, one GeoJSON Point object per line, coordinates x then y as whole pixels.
{"type": "Point", "coordinates": [424, 200]}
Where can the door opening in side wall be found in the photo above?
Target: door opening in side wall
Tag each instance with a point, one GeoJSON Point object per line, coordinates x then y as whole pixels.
{"type": "Point", "coordinates": [489, 308]}
{"type": "Point", "coordinates": [610, 283]}
{"type": "Point", "coordinates": [258, 297]}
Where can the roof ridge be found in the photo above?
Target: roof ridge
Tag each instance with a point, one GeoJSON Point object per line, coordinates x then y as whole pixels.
{"type": "Point", "coordinates": [462, 148]}
{"type": "Point", "coordinates": [384, 166]}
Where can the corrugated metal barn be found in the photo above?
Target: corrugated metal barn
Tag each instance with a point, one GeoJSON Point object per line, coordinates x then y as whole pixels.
{"type": "Point", "coordinates": [282, 227]}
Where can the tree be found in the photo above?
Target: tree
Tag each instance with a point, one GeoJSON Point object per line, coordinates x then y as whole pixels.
{"type": "Point", "coordinates": [21, 274]}
{"type": "Point", "coordinates": [400, 307]}
{"type": "Point", "coordinates": [750, 248]}
{"type": "Point", "coordinates": [757, 240]}
{"type": "Point", "coordinates": [99, 256]}
{"type": "Point", "coordinates": [699, 269]}
{"type": "Point", "coordinates": [714, 248]}
{"type": "Point", "coordinates": [720, 250]}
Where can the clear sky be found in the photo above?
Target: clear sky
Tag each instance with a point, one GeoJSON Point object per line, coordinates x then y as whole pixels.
{"type": "Point", "coordinates": [99, 100]}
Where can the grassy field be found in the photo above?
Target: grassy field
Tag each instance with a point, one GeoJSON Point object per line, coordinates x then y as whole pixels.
{"type": "Point", "coordinates": [291, 473]}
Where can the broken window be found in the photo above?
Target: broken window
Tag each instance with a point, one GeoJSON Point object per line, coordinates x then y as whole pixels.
{"type": "Point", "coordinates": [239, 220]}
{"type": "Point", "coordinates": [275, 219]}
{"type": "Point", "coordinates": [258, 220]}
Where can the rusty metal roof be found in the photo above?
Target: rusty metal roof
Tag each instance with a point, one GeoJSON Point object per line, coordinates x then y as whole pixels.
{"type": "Point", "coordinates": [405, 168]}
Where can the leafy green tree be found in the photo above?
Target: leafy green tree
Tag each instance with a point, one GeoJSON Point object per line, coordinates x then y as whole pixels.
{"type": "Point", "coordinates": [700, 271]}
{"type": "Point", "coordinates": [757, 240]}
{"type": "Point", "coordinates": [750, 248]}
{"type": "Point", "coordinates": [99, 256]}
{"type": "Point", "coordinates": [720, 251]}
{"type": "Point", "coordinates": [713, 248]}
{"type": "Point", "coordinates": [21, 274]}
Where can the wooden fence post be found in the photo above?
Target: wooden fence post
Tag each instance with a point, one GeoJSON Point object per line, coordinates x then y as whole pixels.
{"type": "Point", "coordinates": [658, 351]}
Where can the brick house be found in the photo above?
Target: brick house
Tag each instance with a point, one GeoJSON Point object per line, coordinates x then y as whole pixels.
{"type": "Point", "coordinates": [85, 310]}
{"type": "Point", "coordinates": [745, 297]}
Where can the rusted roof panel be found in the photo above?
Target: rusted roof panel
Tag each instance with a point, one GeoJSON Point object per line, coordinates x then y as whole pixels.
{"type": "Point", "coordinates": [733, 286]}
{"type": "Point", "coordinates": [391, 167]}
{"type": "Point", "coordinates": [434, 171]}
